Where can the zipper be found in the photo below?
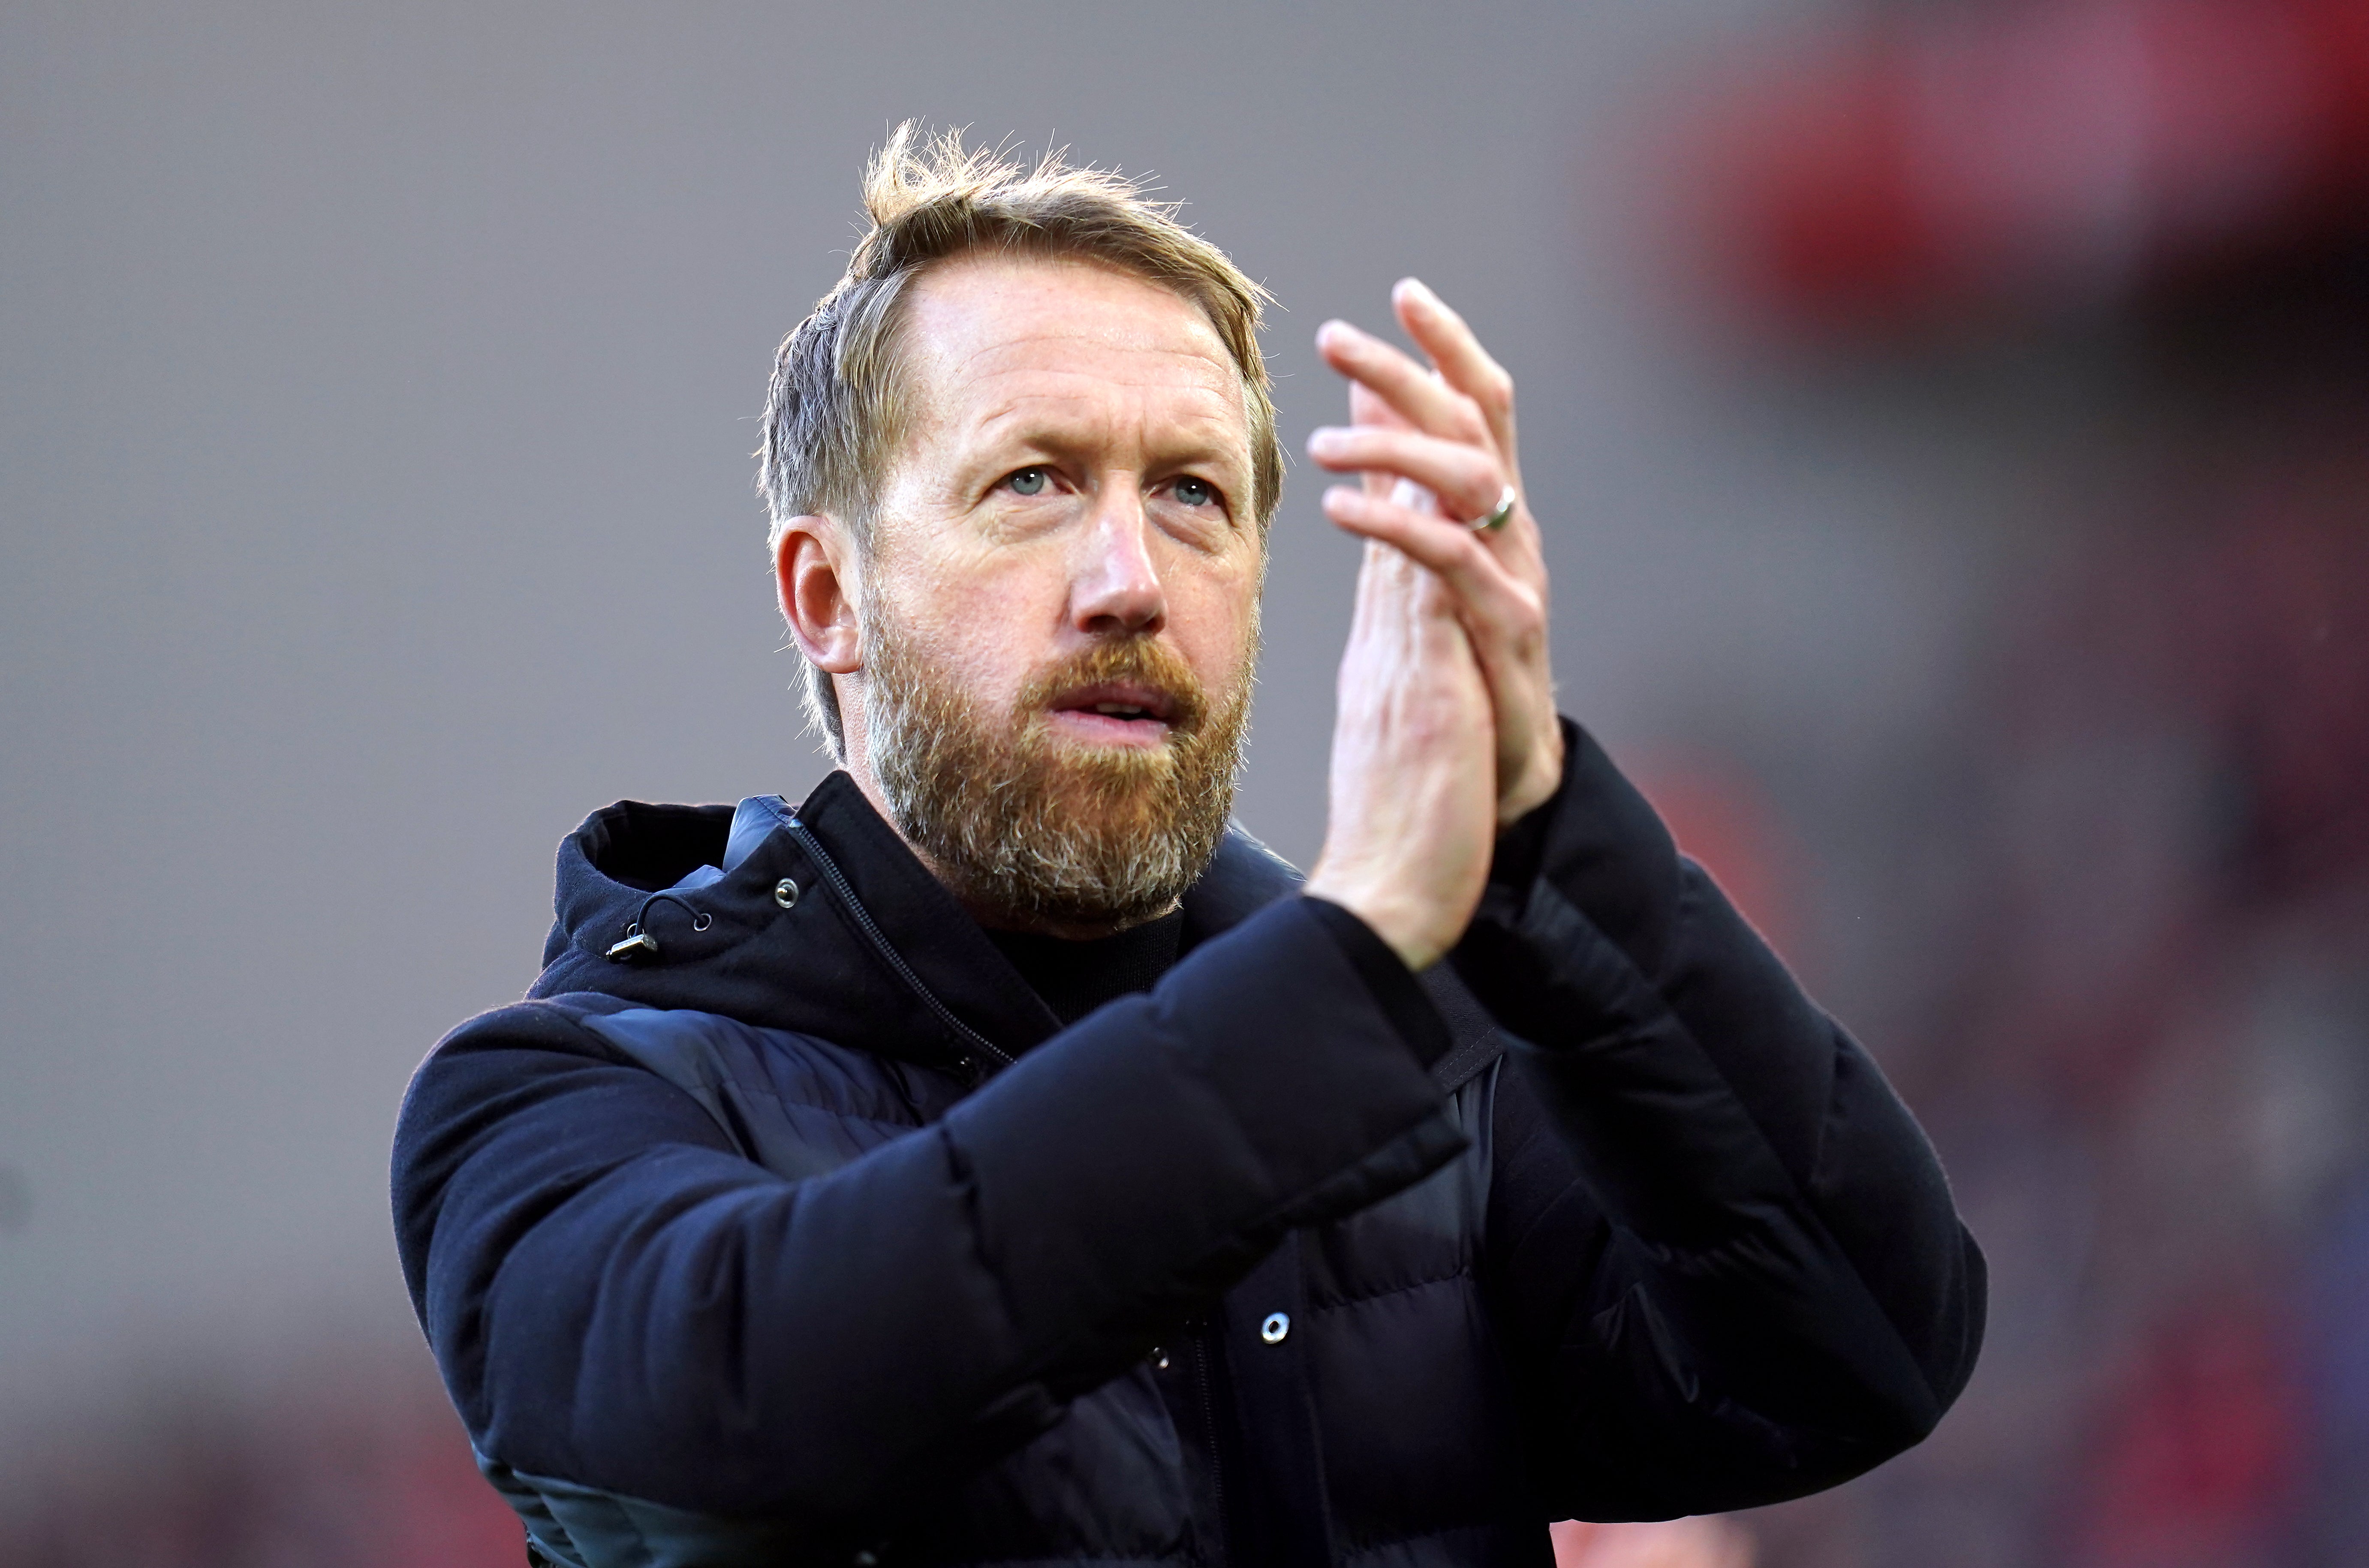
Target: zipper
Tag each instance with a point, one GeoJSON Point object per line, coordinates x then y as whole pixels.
{"type": "Point", "coordinates": [887, 951]}
{"type": "Point", "coordinates": [1201, 1381]}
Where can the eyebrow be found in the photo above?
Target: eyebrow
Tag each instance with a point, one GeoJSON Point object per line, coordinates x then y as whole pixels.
{"type": "Point", "coordinates": [1169, 448]}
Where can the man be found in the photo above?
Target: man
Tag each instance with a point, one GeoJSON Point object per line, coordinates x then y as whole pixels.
{"type": "Point", "coordinates": [993, 1158]}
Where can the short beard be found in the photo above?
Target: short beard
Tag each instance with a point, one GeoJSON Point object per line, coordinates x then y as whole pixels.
{"type": "Point", "coordinates": [1021, 828]}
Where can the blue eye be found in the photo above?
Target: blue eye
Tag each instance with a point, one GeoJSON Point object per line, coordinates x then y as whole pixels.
{"type": "Point", "coordinates": [1027, 482]}
{"type": "Point", "coordinates": [1193, 491]}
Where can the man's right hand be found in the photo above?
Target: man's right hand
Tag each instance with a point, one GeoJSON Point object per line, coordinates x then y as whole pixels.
{"type": "Point", "coordinates": [1413, 818]}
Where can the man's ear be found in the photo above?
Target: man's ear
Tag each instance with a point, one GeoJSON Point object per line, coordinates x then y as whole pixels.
{"type": "Point", "coordinates": [813, 573]}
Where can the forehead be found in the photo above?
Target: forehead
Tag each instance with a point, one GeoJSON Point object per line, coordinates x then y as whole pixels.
{"type": "Point", "coordinates": [993, 338]}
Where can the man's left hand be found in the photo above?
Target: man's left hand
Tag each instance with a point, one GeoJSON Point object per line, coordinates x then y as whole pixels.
{"type": "Point", "coordinates": [1450, 432]}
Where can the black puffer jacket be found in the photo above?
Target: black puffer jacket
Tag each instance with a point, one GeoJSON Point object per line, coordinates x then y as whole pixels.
{"type": "Point", "coordinates": [754, 1249]}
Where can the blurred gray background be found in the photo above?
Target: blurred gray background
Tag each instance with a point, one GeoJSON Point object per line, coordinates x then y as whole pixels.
{"type": "Point", "coordinates": [380, 390]}
{"type": "Point", "coordinates": [377, 387]}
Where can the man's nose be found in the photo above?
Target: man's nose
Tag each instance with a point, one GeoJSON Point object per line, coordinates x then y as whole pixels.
{"type": "Point", "coordinates": [1116, 589]}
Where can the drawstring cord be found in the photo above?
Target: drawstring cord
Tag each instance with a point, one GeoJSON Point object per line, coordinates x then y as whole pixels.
{"type": "Point", "coordinates": [639, 943]}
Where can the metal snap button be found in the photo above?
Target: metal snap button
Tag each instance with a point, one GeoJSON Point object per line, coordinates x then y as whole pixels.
{"type": "Point", "coordinates": [1160, 1358]}
{"type": "Point", "coordinates": [786, 894]}
{"type": "Point", "coordinates": [1275, 1327]}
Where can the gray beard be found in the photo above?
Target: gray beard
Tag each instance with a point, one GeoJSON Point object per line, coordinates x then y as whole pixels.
{"type": "Point", "coordinates": [1021, 828]}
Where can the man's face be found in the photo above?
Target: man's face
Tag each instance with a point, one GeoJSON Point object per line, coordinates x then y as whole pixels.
{"type": "Point", "coordinates": [1060, 615]}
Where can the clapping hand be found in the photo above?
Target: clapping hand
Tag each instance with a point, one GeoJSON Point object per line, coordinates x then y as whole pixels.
{"type": "Point", "coordinates": [1446, 729]}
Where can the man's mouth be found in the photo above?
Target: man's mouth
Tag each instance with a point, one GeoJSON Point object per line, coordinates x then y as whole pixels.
{"type": "Point", "coordinates": [1121, 713]}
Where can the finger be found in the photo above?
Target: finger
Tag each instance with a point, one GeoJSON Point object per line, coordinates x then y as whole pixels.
{"type": "Point", "coordinates": [1466, 479]}
{"type": "Point", "coordinates": [1395, 633]}
{"type": "Point", "coordinates": [1463, 363]}
{"type": "Point", "coordinates": [1366, 407]}
{"type": "Point", "coordinates": [1504, 616]}
{"type": "Point", "coordinates": [1501, 618]}
{"type": "Point", "coordinates": [1426, 402]}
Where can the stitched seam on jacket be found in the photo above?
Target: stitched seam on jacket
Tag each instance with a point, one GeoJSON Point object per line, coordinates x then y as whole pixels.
{"type": "Point", "coordinates": [1453, 1072]}
{"type": "Point", "coordinates": [716, 1077]}
{"type": "Point", "coordinates": [1462, 1271]}
{"type": "Point", "coordinates": [786, 1103]}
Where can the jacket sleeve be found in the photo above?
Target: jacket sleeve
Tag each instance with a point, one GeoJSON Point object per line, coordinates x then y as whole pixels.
{"type": "Point", "coordinates": [1724, 1253]}
{"type": "Point", "coordinates": [619, 1299]}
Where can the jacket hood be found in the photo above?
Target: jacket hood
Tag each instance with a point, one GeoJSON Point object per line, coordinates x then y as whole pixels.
{"type": "Point", "coordinates": [817, 918]}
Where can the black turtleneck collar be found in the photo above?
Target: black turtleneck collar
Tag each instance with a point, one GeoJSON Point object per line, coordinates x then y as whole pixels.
{"type": "Point", "coordinates": [1076, 977]}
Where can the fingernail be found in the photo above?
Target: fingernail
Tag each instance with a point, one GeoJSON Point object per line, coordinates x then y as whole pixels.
{"type": "Point", "coordinates": [1414, 288]}
{"type": "Point", "coordinates": [1343, 499]}
{"type": "Point", "coordinates": [1329, 331]}
{"type": "Point", "coordinates": [1325, 440]}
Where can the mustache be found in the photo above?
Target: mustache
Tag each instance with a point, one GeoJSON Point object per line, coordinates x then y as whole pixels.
{"type": "Point", "coordinates": [1139, 660]}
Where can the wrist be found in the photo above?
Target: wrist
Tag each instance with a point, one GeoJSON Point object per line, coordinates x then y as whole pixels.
{"type": "Point", "coordinates": [1540, 781]}
{"type": "Point", "coordinates": [1404, 925]}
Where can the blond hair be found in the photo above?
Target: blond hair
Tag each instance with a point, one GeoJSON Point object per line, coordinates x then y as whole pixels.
{"type": "Point", "coordinates": [834, 411]}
